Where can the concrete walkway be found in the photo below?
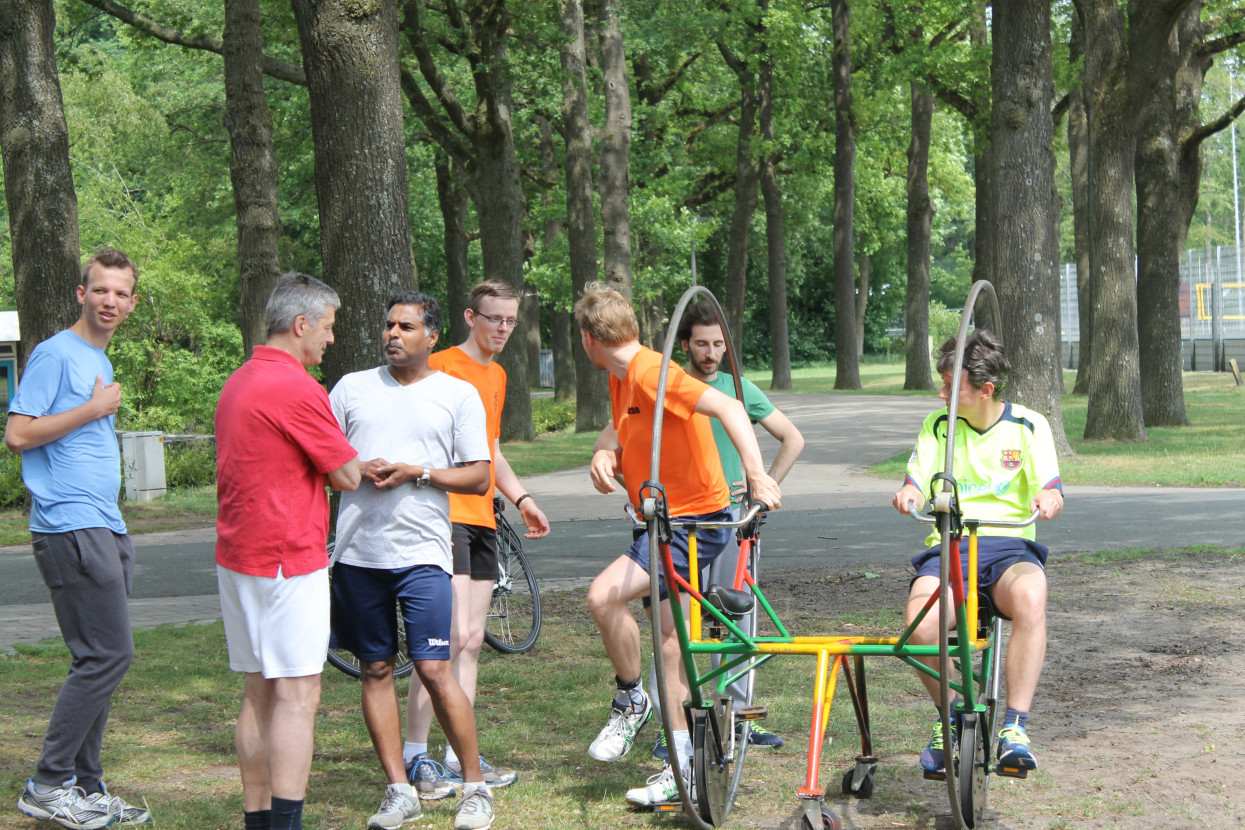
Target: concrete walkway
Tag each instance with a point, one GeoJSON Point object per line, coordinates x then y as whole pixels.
{"type": "Point", "coordinates": [833, 516]}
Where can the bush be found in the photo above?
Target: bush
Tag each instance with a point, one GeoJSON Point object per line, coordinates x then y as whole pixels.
{"type": "Point", "coordinates": [12, 491]}
{"type": "Point", "coordinates": [549, 415]}
{"type": "Point", "coordinates": [189, 464]}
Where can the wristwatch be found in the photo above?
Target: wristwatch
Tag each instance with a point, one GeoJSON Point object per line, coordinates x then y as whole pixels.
{"type": "Point", "coordinates": [425, 478]}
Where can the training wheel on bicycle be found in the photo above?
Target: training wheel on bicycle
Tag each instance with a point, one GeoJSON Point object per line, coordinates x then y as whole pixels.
{"type": "Point", "coordinates": [823, 819]}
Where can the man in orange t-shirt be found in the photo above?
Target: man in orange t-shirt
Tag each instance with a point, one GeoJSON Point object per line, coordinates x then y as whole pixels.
{"type": "Point", "coordinates": [691, 473]}
{"type": "Point", "coordinates": [491, 316]}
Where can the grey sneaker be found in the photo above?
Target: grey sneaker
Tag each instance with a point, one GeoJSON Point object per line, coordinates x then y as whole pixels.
{"type": "Point", "coordinates": [126, 815]}
{"type": "Point", "coordinates": [429, 778]}
{"type": "Point", "coordinates": [475, 809]}
{"type": "Point", "coordinates": [615, 740]}
{"type": "Point", "coordinates": [400, 805]}
{"type": "Point", "coordinates": [66, 805]}
{"type": "Point", "coordinates": [492, 776]}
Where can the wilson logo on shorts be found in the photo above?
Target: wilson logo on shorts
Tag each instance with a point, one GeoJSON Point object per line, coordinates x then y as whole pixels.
{"type": "Point", "coordinates": [1011, 459]}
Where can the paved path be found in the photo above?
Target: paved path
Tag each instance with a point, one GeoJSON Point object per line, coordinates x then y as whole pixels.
{"type": "Point", "coordinates": [833, 517]}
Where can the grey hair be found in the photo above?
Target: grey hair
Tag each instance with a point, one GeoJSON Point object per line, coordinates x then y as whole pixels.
{"type": "Point", "coordinates": [297, 295]}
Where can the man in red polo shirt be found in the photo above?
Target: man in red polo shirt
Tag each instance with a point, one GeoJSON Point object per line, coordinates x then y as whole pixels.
{"type": "Point", "coordinates": [277, 443]}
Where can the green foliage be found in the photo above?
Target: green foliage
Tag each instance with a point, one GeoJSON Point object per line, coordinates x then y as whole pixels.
{"type": "Point", "coordinates": [189, 464]}
{"type": "Point", "coordinates": [944, 323]}
{"type": "Point", "coordinates": [549, 415]}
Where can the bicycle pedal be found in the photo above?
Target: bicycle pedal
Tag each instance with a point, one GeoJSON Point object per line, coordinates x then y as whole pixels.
{"type": "Point", "coordinates": [934, 776]}
{"type": "Point", "coordinates": [751, 712]}
{"type": "Point", "coordinates": [715, 632]}
{"type": "Point", "coordinates": [659, 807]}
{"type": "Point", "coordinates": [1011, 772]}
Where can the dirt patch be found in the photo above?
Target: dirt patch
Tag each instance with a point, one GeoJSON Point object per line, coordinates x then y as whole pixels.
{"type": "Point", "coordinates": [1139, 715]}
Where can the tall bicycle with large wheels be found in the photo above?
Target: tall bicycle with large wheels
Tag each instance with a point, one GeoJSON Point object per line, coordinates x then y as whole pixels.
{"type": "Point", "coordinates": [966, 658]}
{"type": "Point", "coordinates": [514, 615]}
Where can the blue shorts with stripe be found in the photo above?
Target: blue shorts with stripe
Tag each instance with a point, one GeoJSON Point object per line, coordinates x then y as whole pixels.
{"type": "Point", "coordinates": [995, 554]}
{"type": "Point", "coordinates": [365, 621]}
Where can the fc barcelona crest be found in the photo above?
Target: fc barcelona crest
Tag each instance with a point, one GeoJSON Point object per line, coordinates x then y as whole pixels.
{"type": "Point", "coordinates": [1011, 459]}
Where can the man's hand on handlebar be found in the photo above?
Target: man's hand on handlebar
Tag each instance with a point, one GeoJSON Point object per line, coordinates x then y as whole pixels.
{"type": "Point", "coordinates": [766, 491]}
{"type": "Point", "coordinates": [1048, 504]}
{"type": "Point", "coordinates": [908, 494]}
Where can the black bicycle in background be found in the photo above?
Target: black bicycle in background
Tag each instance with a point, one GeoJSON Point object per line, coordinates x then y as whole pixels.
{"type": "Point", "coordinates": [513, 618]}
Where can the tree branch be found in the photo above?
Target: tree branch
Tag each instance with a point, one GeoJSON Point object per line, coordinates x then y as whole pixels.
{"type": "Point", "coordinates": [446, 138]}
{"type": "Point", "coordinates": [1221, 123]}
{"type": "Point", "coordinates": [280, 70]}
{"type": "Point", "coordinates": [428, 68]}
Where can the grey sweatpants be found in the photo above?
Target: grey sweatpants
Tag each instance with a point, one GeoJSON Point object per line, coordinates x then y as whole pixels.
{"type": "Point", "coordinates": [89, 573]}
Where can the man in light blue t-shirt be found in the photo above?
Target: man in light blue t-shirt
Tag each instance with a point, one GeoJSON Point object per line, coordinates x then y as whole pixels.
{"type": "Point", "coordinates": [62, 420]}
{"type": "Point", "coordinates": [701, 337]}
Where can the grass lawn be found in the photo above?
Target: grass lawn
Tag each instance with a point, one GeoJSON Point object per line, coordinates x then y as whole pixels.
{"type": "Point", "coordinates": [1210, 452]}
{"type": "Point", "coordinates": [171, 736]}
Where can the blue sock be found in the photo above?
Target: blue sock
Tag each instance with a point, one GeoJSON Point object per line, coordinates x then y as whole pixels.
{"type": "Point", "coordinates": [287, 814]}
{"type": "Point", "coordinates": [257, 820]}
{"type": "Point", "coordinates": [1012, 716]}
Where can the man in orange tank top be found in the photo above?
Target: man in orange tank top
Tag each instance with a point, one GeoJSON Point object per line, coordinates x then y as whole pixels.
{"type": "Point", "coordinates": [695, 487]}
{"type": "Point", "coordinates": [491, 316]}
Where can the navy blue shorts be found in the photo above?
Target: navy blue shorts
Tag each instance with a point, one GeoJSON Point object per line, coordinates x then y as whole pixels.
{"type": "Point", "coordinates": [995, 554]}
{"type": "Point", "coordinates": [709, 546]}
{"type": "Point", "coordinates": [364, 622]}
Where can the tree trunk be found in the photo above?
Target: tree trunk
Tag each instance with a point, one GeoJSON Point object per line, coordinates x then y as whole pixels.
{"type": "Point", "coordinates": [452, 199]}
{"type": "Point", "coordinates": [1078, 157]}
{"type": "Point", "coordinates": [565, 343]}
{"type": "Point", "coordinates": [350, 54]}
{"type": "Point", "coordinates": [847, 366]}
{"type": "Point", "coordinates": [38, 182]}
{"type": "Point", "coordinates": [528, 335]}
{"type": "Point", "coordinates": [252, 168]}
{"type": "Point", "coordinates": [1026, 231]}
{"type": "Point", "coordinates": [1162, 228]}
{"type": "Point", "coordinates": [592, 398]}
{"type": "Point", "coordinates": [615, 184]}
{"type": "Point", "coordinates": [920, 220]}
{"type": "Point", "coordinates": [747, 172]}
{"type": "Point", "coordinates": [862, 301]}
{"type": "Point", "coordinates": [490, 160]}
{"type": "Point", "coordinates": [1114, 380]}
{"type": "Point", "coordinates": [776, 246]}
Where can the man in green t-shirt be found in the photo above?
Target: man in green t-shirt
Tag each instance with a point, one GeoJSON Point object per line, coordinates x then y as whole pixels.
{"type": "Point", "coordinates": [701, 337]}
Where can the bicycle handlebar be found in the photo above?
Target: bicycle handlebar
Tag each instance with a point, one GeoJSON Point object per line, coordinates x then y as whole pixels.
{"type": "Point", "coordinates": [759, 507]}
{"type": "Point", "coordinates": [931, 519]}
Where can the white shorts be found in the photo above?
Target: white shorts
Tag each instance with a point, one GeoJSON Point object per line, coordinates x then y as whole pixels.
{"type": "Point", "coordinates": [275, 625]}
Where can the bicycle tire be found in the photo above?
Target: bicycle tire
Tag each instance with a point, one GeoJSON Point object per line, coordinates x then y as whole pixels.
{"type": "Point", "coordinates": [345, 661]}
{"type": "Point", "coordinates": [513, 622]}
{"type": "Point", "coordinates": [718, 759]}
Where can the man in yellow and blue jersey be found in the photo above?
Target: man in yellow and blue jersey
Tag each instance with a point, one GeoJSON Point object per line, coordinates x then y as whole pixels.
{"type": "Point", "coordinates": [1005, 468]}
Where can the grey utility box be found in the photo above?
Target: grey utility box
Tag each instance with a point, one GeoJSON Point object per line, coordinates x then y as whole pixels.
{"type": "Point", "coordinates": [142, 459]}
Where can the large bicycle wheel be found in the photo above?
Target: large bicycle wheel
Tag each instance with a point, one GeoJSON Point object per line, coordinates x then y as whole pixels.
{"type": "Point", "coordinates": [718, 760]}
{"type": "Point", "coordinates": [345, 661]}
{"type": "Point", "coordinates": [514, 617]}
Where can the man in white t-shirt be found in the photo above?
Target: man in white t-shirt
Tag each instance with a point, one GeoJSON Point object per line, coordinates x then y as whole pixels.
{"type": "Point", "coordinates": [425, 433]}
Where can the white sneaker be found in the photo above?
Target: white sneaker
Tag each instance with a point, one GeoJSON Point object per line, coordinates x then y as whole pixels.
{"type": "Point", "coordinates": [66, 805]}
{"type": "Point", "coordinates": [475, 808]}
{"type": "Point", "coordinates": [620, 731]}
{"type": "Point", "coordinates": [661, 788]}
{"type": "Point", "coordinates": [400, 805]}
{"type": "Point", "coordinates": [126, 814]}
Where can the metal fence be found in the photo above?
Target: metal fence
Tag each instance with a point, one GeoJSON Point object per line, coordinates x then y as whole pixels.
{"type": "Point", "coordinates": [1212, 306]}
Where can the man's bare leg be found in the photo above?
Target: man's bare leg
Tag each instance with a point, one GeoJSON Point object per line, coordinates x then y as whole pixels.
{"type": "Point", "coordinates": [380, 713]}
{"type": "Point", "coordinates": [1021, 595]}
{"type": "Point", "coordinates": [622, 581]}
{"type": "Point", "coordinates": [251, 742]}
{"type": "Point", "coordinates": [454, 713]}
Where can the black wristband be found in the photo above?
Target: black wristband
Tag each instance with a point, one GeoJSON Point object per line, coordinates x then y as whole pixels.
{"type": "Point", "coordinates": [520, 499]}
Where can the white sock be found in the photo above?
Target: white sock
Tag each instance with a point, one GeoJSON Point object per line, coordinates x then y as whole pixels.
{"type": "Point", "coordinates": [410, 750]}
{"type": "Point", "coordinates": [450, 757]}
{"type": "Point", "coordinates": [683, 745]}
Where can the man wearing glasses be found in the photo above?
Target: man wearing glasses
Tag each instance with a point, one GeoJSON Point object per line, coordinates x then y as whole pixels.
{"type": "Point", "coordinates": [491, 317]}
